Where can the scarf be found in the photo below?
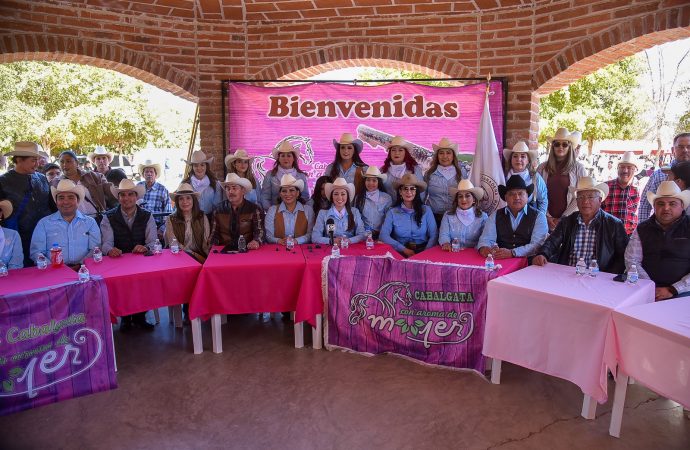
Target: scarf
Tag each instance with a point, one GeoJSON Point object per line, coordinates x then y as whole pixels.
{"type": "Point", "coordinates": [465, 216]}
{"type": "Point", "coordinates": [407, 210]}
{"type": "Point", "coordinates": [373, 195]}
{"type": "Point", "coordinates": [397, 170]}
{"type": "Point", "coordinates": [524, 175]}
{"type": "Point", "coordinates": [200, 185]}
{"type": "Point", "coordinates": [281, 172]}
{"type": "Point", "coordinates": [339, 214]}
{"type": "Point", "coordinates": [448, 173]}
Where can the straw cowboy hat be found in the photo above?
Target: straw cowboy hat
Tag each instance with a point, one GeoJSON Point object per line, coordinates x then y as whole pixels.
{"type": "Point", "coordinates": [288, 180]}
{"type": "Point", "coordinates": [284, 147]}
{"type": "Point", "coordinates": [198, 157]}
{"type": "Point", "coordinates": [445, 143]}
{"type": "Point", "coordinates": [233, 178]}
{"type": "Point", "coordinates": [669, 189]}
{"type": "Point", "coordinates": [374, 172]}
{"type": "Point", "coordinates": [467, 186]}
{"type": "Point", "coordinates": [184, 189]}
{"type": "Point", "coordinates": [66, 185]}
{"type": "Point", "coordinates": [514, 182]}
{"type": "Point", "coordinates": [348, 138]}
{"type": "Point", "coordinates": [100, 151]}
{"type": "Point", "coordinates": [25, 148]}
{"type": "Point", "coordinates": [128, 185]}
{"type": "Point", "coordinates": [631, 159]}
{"type": "Point", "coordinates": [240, 153]}
{"type": "Point", "coordinates": [340, 183]}
{"type": "Point", "coordinates": [520, 147]}
{"type": "Point", "coordinates": [6, 208]}
{"type": "Point", "coordinates": [148, 163]}
{"type": "Point", "coordinates": [409, 179]}
{"type": "Point", "coordinates": [400, 142]}
{"type": "Point", "coordinates": [587, 184]}
{"type": "Point", "coordinates": [562, 134]}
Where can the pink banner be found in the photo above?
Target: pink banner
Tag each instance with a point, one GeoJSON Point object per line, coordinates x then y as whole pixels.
{"type": "Point", "coordinates": [310, 116]}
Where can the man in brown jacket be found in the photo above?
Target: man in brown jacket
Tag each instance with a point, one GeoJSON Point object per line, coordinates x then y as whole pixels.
{"type": "Point", "coordinates": [236, 216]}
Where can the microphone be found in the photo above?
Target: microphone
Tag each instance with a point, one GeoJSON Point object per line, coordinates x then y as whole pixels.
{"type": "Point", "coordinates": [330, 227]}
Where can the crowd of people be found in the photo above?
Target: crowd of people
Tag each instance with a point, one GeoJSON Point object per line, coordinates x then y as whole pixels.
{"type": "Point", "coordinates": [555, 212]}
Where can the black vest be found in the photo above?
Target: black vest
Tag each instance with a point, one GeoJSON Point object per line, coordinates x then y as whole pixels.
{"type": "Point", "coordinates": [506, 237]}
{"type": "Point", "coordinates": [126, 239]}
{"type": "Point", "coordinates": [665, 254]}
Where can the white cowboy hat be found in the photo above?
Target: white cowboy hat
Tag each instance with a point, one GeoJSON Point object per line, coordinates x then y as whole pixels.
{"type": "Point", "coordinates": [445, 143]}
{"type": "Point", "coordinates": [24, 148]}
{"type": "Point", "coordinates": [669, 189]}
{"type": "Point", "coordinates": [100, 151]}
{"type": "Point", "coordinates": [43, 154]}
{"type": "Point", "coordinates": [240, 153]}
{"type": "Point", "coordinates": [288, 180]}
{"type": "Point", "coordinates": [348, 138]}
{"type": "Point", "coordinates": [520, 147]}
{"type": "Point", "coordinates": [340, 183]}
{"type": "Point", "coordinates": [6, 208]}
{"type": "Point", "coordinates": [400, 142]}
{"type": "Point", "coordinates": [576, 138]}
{"type": "Point", "coordinates": [587, 184]}
{"type": "Point", "coordinates": [198, 157]}
{"type": "Point", "coordinates": [374, 172]}
{"type": "Point", "coordinates": [467, 186]}
{"type": "Point", "coordinates": [562, 134]}
{"type": "Point", "coordinates": [631, 159]}
{"type": "Point", "coordinates": [128, 185]}
{"type": "Point", "coordinates": [285, 147]}
{"type": "Point", "coordinates": [410, 179]}
{"type": "Point", "coordinates": [184, 189]}
{"type": "Point", "coordinates": [66, 185]}
{"type": "Point", "coordinates": [233, 178]}
{"type": "Point", "coordinates": [148, 163]}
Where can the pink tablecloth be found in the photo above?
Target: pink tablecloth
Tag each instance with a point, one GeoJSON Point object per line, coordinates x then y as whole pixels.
{"type": "Point", "coordinates": [468, 256]}
{"type": "Point", "coordinates": [31, 278]}
{"type": "Point", "coordinates": [139, 283]}
{"type": "Point", "coordinates": [263, 280]}
{"type": "Point", "coordinates": [550, 320]}
{"type": "Point", "coordinates": [651, 343]}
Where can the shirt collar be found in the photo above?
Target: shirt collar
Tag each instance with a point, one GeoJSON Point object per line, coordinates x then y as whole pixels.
{"type": "Point", "coordinates": [523, 211]}
{"type": "Point", "coordinates": [58, 217]}
{"type": "Point", "coordinates": [594, 220]}
{"type": "Point", "coordinates": [298, 207]}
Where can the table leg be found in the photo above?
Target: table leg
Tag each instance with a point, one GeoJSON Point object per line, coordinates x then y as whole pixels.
{"type": "Point", "coordinates": [618, 404]}
{"type": "Point", "coordinates": [589, 407]}
{"type": "Point", "coordinates": [176, 314]}
{"type": "Point", "coordinates": [156, 316]}
{"type": "Point", "coordinates": [299, 334]}
{"type": "Point", "coordinates": [112, 338]}
{"type": "Point", "coordinates": [216, 333]}
{"type": "Point", "coordinates": [496, 371]}
{"type": "Point", "coordinates": [196, 336]}
{"type": "Point", "coordinates": [223, 319]}
{"type": "Point", "coordinates": [317, 333]}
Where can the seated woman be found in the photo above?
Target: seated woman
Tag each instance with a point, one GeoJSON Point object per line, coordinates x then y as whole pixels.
{"type": "Point", "coordinates": [287, 158]}
{"type": "Point", "coordinates": [443, 175]}
{"type": "Point", "coordinates": [373, 202]}
{"type": "Point", "coordinates": [409, 226]}
{"type": "Point", "coordinates": [347, 221]}
{"type": "Point", "coordinates": [241, 164]}
{"type": "Point", "coordinates": [11, 253]}
{"type": "Point", "coordinates": [188, 223]}
{"type": "Point", "coordinates": [398, 163]}
{"type": "Point", "coordinates": [290, 217]}
{"type": "Point", "coordinates": [465, 221]}
{"type": "Point", "coordinates": [318, 200]}
{"type": "Point", "coordinates": [521, 161]}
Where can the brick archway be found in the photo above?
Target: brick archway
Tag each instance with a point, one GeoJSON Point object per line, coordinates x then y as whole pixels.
{"type": "Point", "coordinates": [23, 47]}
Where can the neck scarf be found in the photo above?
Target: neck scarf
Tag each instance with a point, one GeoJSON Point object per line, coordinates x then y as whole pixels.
{"type": "Point", "coordinates": [373, 195]}
{"type": "Point", "coordinates": [200, 185]}
{"type": "Point", "coordinates": [397, 170]}
{"type": "Point", "coordinates": [406, 209]}
{"type": "Point", "coordinates": [282, 172]}
{"type": "Point", "coordinates": [448, 173]}
{"type": "Point", "coordinates": [465, 216]}
{"type": "Point", "coordinates": [524, 175]}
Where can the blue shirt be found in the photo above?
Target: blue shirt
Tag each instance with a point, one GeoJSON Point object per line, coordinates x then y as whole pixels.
{"type": "Point", "coordinates": [319, 234]}
{"type": "Point", "coordinates": [541, 229]}
{"type": "Point", "coordinates": [388, 184]}
{"type": "Point", "coordinates": [210, 199]}
{"type": "Point", "coordinates": [437, 193]}
{"type": "Point", "coordinates": [348, 174]}
{"type": "Point", "coordinates": [452, 228]}
{"type": "Point", "coordinates": [400, 227]}
{"type": "Point", "coordinates": [12, 254]}
{"type": "Point", "coordinates": [289, 219]}
{"type": "Point", "coordinates": [270, 189]}
{"type": "Point", "coordinates": [156, 200]}
{"type": "Point", "coordinates": [646, 209]}
{"type": "Point", "coordinates": [76, 238]}
{"type": "Point", "coordinates": [373, 213]}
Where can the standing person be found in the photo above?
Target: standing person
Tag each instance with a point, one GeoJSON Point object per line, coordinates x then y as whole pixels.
{"type": "Point", "coordinates": [318, 200]}
{"type": "Point", "coordinates": [624, 198]}
{"type": "Point", "coordinates": [348, 163]}
{"type": "Point", "coordinates": [521, 161]}
{"type": "Point", "coordinates": [29, 193]}
{"type": "Point", "coordinates": [237, 216]}
{"type": "Point", "coordinates": [241, 164]}
{"type": "Point", "coordinates": [443, 175]}
{"type": "Point", "coordinates": [188, 223]}
{"type": "Point", "coordinates": [52, 171]}
{"type": "Point", "coordinates": [347, 221]}
{"type": "Point", "coordinates": [156, 197]}
{"type": "Point", "coordinates": [204, 182]}
{"type": "Point", "coordinates": [101, 159]}
{"type": "Point", "coordinates": [560, 172]}
{"type": "Point", "coordinates": [681, 176]}
{"type": "Point", "coordinates": [398, 163]}
{"type": "Point", "coordinates": [681, 152]}
{"type": "Point", "coordinates": [290, 217]}
{"type": "Point", "coordinates": [287, 163]}
{"type": "Point", "coordinates": [373, 202]}
{"type": "Point", "coordinates": [11, 254]}
{"type": "Point", "coordinates": [43, 158]}
{"type": "Point", "coordinates": [464, 221]}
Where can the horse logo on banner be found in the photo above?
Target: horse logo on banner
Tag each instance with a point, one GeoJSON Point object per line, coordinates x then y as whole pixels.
{"type": "Point", "coordinates": [387, 295]}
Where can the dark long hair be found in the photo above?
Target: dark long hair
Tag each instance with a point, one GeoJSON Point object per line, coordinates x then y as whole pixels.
{"type": "Point", "coordinates": [295, 164]}
{"type": "Point", "coordinates": [361, 195]}
{"type": "Point", "coordinates": [410, 162]}
{"type": "Point", "coordinates": [356, 160]}
{"type": "Point", "coordinates": [348, 208]}
{"type": "Point", "coordinates": [455, 206]}
{"type": "Point", "coordinates": [316, 197]}
{"type": "Point", "coordinates": [434, 165]}
{"type": "Point", "coordinates": [211, 177]}
{"type": "Point", "coordinates": [417, 204]}
{"type": "Point", "coordinates": [178, 223]}
{"type": "Point", "coordinates": [250, 173]}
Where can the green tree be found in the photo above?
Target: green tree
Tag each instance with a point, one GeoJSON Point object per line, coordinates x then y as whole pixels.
{"type": "Point", "coordinates": [378, 73]}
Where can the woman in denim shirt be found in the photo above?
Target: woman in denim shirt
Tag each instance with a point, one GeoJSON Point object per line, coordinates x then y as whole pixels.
{"type": "Point", "coordinates": [443, 175]}
{"type": "Point", "coordinates": [373, 202]}
{"type": "Point", "coordinates": [347, 220]}
{"type": "Point", "coordinates": [241, 163]}
{"type": "Point", "coordinates": [521, 161]}
{"type": "Point", "coordinates": [287, 158]}
{"type": "Point", "coordinates": [398, 163]}
{"type": "Point", "coordinates": [11, 253]}
{"type": "Point", "coordinates": [409, 226]}
{"type": "Point", "coordinates": [465, 221]}
{"type": "Point", "coordinates": [203, 181]}
{"type": "Point", "coordinates": [348, 164]}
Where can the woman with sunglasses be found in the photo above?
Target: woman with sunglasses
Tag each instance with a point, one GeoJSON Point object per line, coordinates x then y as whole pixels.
{"type": "Point", "coordinates": [465, 221]}
{"type": "Point", "coordinates": [290, 217]}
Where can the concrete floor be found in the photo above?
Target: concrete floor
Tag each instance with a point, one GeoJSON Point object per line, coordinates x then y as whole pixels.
{"type": "Point", "coordinates": [263, 393]}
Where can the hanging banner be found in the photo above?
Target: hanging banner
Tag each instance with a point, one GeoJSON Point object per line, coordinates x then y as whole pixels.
{"type": "Point", "coordinates": [433, 313]}
{"type": "Point", "coordinates": [55, 344]}
{"type": "Point", "coordinates": [310, 116]}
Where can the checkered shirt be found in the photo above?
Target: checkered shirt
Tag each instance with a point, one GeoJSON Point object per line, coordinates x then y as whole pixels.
{"type": "Point", "coordinates": [623, 203]}
{"type": "Point", "coordinates": [585, 240]}
{"type": "Point", "coordinates": [156, 200]}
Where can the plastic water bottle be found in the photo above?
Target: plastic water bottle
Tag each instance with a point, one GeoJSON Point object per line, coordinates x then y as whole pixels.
{"type": "Point", "coordinates": [97, 254]}
{"type": "Point", "coordinates": [3, 269]}
{"type": "Point", "coordinates": [593, 268]}
{"type": "Point", "coordinates": [489, 262]}
{"type": "Point", "coordinates": [84, 274]}
{"type": "Point", "coordinates": [41, 262]}
{"type": "Point", "coordinates": [344, 242]}
{"type": "Point", "coordinates": [633, 276]}
{"type": "Point", "coordinates": [580, 267]}
{"type": "Point", "coordinates": [335, 251]}
{"type": "Point", "coordinates": [157, 247]}
{"type": "Point", "coordinates": [242, 244]}
{"type": "Point", "coordinates": [455, 245]}
{"type": "Point", "coordinates": [289, 242]}
{"type": "Point", "coordinates": [370, 241]}
{"type": "Point", "coordinates": [56, 256]}
{"type": "Point", "coordinates": [174, 247]}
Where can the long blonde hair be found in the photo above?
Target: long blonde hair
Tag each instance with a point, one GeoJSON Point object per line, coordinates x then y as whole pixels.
{"type": "Point", "coordinates": [552, 167]}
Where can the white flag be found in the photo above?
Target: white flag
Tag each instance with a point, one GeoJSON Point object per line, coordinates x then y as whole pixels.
{"type": "Point", "coordinates": [487, 171]}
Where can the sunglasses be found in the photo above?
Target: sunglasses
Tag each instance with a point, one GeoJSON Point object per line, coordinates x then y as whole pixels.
{"type": "Point", "coordinates": [561, 144]}
{"type": "Point", "coordinates": [409, 188]}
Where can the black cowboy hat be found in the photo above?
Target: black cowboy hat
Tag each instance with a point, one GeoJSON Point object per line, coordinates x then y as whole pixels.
{"type": "Point", "coordinates": [514, 182]}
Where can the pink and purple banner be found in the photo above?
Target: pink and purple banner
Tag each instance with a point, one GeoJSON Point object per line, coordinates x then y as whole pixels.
{"type": "Point", "coordinates": [433, 313]}
{"type": "Point", "coordinates": [55, 344]}
{"type": "Point", "coordinates": [310, 116]}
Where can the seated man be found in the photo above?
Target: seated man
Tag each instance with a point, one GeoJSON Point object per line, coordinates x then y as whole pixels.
{"type": "Point", "coordinates": [660, 246]}
{"type": "Point", "coordinates": [76, 233]}
{"type": "Point", "coordinates": [516, 230]}
{"type": "Point", "coordinates": [128, 229]}
{"type": "Point", "coordinates": [237, 216]}
{"type": "Point", "coordinates": [590, 233]}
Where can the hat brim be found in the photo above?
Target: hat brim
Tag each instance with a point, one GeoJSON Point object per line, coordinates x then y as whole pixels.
{"type": "Point", "coordinates": [92, 156]}
{"type": "Point", "coordinates": [380, 176]}
{"type": "Point", "coordinates": [77, 190]}
{"type": "Point", "coordinates": [357, 144]}
{"type": "Point", "coordinates": [139, 189]}
{"type": "Point", "coordinates": [276, 151]}
{"type": "Point", "coordinates": [330, 187]}
{"type": "Point", "coordinates": [157, 167]}
{"type": "Point", "coordinates": [406, 146]}
{"type": "Point", "coordinates": [6, 208]}
{"type": "Point", "coordinates": [477, 192]}
{"type": "Point", "coordinates": [206, 161]}
{"type": "Point", "coordinates": [175, 194]}
{"type": "Point", "coordinates": [299, 184]}
{"type": "Point", "coordinates": [532, 154]}
{"type": "Point", "coordinates": [25, 153]}
{"type": "Point", "coordinates": [683, 196]}
{"type": "Point", "coordinates": [420, 184]}
{"type": "Point", "coordinates": [603, 189]}
{"type": "Point", "coordinates": [502, 190]}
{"type": "Point", "coordinates": [638, 165]}
{"type": "Point", "coordinates": [243, 182]}
{"type": "Point", "coordinates": [453, 147]}
{"type": "Point", "coordinates": [232, 158]}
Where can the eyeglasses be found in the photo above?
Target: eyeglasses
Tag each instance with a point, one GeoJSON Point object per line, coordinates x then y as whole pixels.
{"type": "Point", "coordinates": [564, 144]}
{"type": "Point", "coordinates": [409, 188]}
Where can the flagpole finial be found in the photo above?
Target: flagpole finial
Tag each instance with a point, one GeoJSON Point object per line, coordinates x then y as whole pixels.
{"type": "Point", "coordinates": [488, 83]}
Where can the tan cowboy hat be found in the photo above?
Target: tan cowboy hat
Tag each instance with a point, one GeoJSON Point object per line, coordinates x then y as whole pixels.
{"type": "Point", "coordinates": [520, 147]}
{"type": "Point", "coordinates": [285, 147]}
{"type": "Point", "coordinates": [184, 189]}
{"type": "Point", "coordinates": [445, 143]}
{"type": "Point", "coordinates": [348, 138]}
{"type": "Point", "coordinates": [587, 184]}
{"type": "Point", "coordinates": [148, 163]}
{"type": "Point", "coordinates": [374, 172]}
{"type": "Point", "coordinates": [6, 208]}
{"type": "Point", "coordinates": [233, 178]}
{"type": "Point", "coordinates": [669, 189]}
{"type": "Point", "coordinates": [631, 159]}
{"type": "Point", "coordinates": [467, 186]}
{"type": "Point", "coordinates": [66, 185]}
{"type": "Point", "coordinates": [128, 185]}
{"type": "Point", "coordinates": [24, 148]}
{"type": "Point", "coordinates": [100, 151]}
{"type": "Point", "coordinates": [400, 142]}
{"type": "Point", "coordinates": [198, 157]}
{"type": "Point", "coordinates": [240, 153]}
{"type": "Point", "coordinates": [562, 134]}
{"type": "Point", "coordinates": [340, 183]}
{"type": "Point", "coordinates": [410, 179]}
{"type": "Point", "coordinates": [288, 180]}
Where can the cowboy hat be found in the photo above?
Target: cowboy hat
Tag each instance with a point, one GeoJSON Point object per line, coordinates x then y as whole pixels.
{"type": "Point", "coordinates": [562, 134]}
{"type": "Point", "coordinates": [6, 208]}
{"type": "Point", "coordinates": [631, 159]}
{"type": "Point", "coordinates": [240, 153]}
{"type": "Point", "coordinates": [400, 142]}
{"type": "Point", "coordinates": [340, 183]}
{"type": "Point", "coordinates": [514, 182]}
{"type": "Point", "coordinates": [66, 185]}
{"type": "Point", "coordinates": [128, 185]}
{"type": "Point", "coordinates": [409, 179]}
{"type": "Point", "coordinates": [100, 151]}
{"type": "Point", "coordinates": [43, 154]}
{"type": "Point", "coordinates": [576, 138]}
{"type": "Point", "coordinates": [669, 189]}
{"type": "Point", "coordinates": [198, 157]}
{"type": "Point", "coordinates": [520, 147]}
{"type": "Point", "coordinates": [233, 178]}
{"type": "Point", "coordinates": [374, 172]}
{"type": "Point", "coordinates": [184, 189]}
{"type": "Point", "coordinates": [148, 163]}
{"type": "Point", "coordinates": [284, 147]}
{"type": "Point", "coordinates": [348, 138]}
{"type": "Point", "coordinates": [24, 148]}
{"type": "Point", "coordinates": [445, 143]}
{"type": "Point", "coordinates": [467, 186]}
{"type": "Point", "coordinates": [587, 184]}
{"type": "Point", "coordinates": [288, 180]}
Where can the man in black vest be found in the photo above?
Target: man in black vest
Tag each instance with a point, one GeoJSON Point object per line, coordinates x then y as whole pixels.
{"type": "Point", "coordinates": [128, 229]}
{"type": "Point", "coordinates": [516, 230]}
{"type": "Point", "coordinates": [660, 246]}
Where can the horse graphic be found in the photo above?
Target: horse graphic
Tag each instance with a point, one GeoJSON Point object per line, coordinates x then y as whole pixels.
{"type": "Point", "coordinates": [388, 295]}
